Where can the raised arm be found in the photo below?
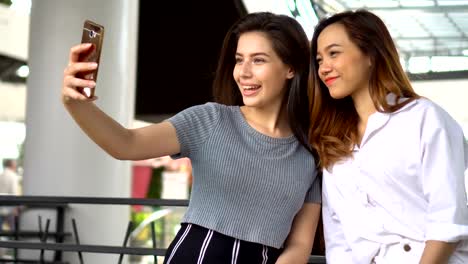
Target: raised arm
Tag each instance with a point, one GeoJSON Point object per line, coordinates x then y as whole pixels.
{"type": "Point", "coordinates": [127, 144]}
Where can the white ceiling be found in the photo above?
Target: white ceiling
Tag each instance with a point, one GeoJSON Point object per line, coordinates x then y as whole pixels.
{"type": "Point", "coordinates": [419, 27]}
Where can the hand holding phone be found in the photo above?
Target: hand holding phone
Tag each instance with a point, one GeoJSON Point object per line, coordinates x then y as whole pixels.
{"type": "Point", "coordinates": [92, 33]}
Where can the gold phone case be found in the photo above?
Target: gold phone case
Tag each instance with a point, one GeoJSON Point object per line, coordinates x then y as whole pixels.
{"type": "Point", "coordinates": [92, 33]}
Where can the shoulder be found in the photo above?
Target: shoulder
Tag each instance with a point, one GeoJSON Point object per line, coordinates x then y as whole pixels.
{"type": "Point", "coordinates": [432, 113]}
{"type": "Point", "coordinates": [425, 110]}
{"type": "Point", "coordinates": [199, 117]}
{"type": "Point", "coordinates": [433, 118]}
{"type": "Point", "coordinates": [201, 110]}
{"type": "Point", "coordinates": [8, 174]}
{"type": "Point", "coordinates": [209, 106]}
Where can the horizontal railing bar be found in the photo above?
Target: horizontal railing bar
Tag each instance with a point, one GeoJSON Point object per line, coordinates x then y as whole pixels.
{"type": "Point", "coordinates": [104, 249]}
{"type": "Point", "coordinates": [83, 248]}
{"type": "Point", "coordinates": [31, 233]}
{"type": "Point", "coordinates": [317, 260]}
{"type": "Point", "coordinates": [62, 201]}
{"type": "Point", "coordinates": [54, 200]}
{"type": "Point", "coordinates": [20, 260]}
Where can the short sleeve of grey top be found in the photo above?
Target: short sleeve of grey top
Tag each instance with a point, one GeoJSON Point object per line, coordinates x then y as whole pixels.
{"type": "Point", "coordinates": [245, 184]}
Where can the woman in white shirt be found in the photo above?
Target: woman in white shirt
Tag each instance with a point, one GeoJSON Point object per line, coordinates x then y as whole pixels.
{"type": "Point", "coordinates": [393, 162]}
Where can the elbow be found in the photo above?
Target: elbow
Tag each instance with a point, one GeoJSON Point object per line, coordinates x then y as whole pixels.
{"type": "Point", "coordinates": [117, 155]}
{"type": "Point", "coordinates": [121, 154]}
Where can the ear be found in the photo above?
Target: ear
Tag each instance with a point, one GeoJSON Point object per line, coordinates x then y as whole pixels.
{"type": "Point", "coordinates": [290, 73]}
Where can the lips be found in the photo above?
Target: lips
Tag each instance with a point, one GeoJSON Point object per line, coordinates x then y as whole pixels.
{"type": "Point", "coordinates": [330, 81]}
{"type": "Point", "coordinates": [249, 89]}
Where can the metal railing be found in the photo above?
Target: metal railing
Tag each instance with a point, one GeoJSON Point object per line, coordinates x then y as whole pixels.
{"type": "Point", "coordinates": [61, 203]}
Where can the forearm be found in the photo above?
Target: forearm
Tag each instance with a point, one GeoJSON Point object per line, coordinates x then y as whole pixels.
{"type": "Point", "coordinates": [295, 253]}
{"type": "Point", "coordinates": [101, 128]}
{"type": "Point", "coordinates": [301, 237]}
{"type": "Point", "coordinates": [437, 252]}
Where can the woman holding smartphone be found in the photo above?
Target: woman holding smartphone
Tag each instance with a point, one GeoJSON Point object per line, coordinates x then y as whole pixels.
{"type": "Point", "coordinates": [255, 192]}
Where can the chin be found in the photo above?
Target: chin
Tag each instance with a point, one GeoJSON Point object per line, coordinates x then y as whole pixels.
{"type": "Point", "coordinates": [252, 102]}
{"type": "Point", "coordinates": [249, 103]}
{"type": "Point", "coordinates": [337, 96]}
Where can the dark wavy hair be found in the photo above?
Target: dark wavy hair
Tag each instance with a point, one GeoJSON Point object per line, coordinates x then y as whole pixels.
{"type": "Point", "coordinates": [291, 44]}
{"type": "Point", "coordinates": [333, 122]}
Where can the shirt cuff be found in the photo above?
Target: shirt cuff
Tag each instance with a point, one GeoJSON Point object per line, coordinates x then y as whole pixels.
{"type": "Point", "coordinates": [446, 232]}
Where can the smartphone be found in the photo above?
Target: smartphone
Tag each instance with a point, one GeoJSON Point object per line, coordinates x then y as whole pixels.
{"type": "Point", "coordinates": [92, 33]}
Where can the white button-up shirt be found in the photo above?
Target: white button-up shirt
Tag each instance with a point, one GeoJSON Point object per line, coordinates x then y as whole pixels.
{"type": "Point", "coordinates": [405, 180]}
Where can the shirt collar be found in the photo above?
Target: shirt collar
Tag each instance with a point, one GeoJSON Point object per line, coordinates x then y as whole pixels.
{"type": "Point", "coordinates": [378, 119]}
{"type": "Point", "coordinates": [391, 100]}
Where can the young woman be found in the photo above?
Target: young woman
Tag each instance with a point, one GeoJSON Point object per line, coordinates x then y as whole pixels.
{"type": "Point", "coordinates": [255, 191]}
{"type": "Point", "coordinates": [393, 162]}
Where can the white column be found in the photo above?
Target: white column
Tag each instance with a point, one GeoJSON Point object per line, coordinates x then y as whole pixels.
{"type": "Point", "coordinates": [59, 159]}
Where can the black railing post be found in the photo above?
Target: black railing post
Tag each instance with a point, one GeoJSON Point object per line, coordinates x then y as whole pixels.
{"type": "Point", "coordinates": [44, 239]}
{"type": "Point", "coordinates": [153, 238]}
{"type": "Point", "coordinates": [77, 239]}
{"type": "Point", "coordinates": [127, 234]}
{"type": "Point", "coordinates": [16, 234]}
{"type": "Point", "coordinates": [59, 229]}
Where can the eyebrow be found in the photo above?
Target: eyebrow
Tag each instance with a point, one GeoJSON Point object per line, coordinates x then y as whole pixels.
{"type": "Point", "coordinates": [254, 54]}
{"type": "Point", "coordinates": [330, 46]}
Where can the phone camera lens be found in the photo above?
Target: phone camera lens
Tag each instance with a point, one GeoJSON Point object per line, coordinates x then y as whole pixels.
{"type": "Point", "coordinates": [92, 33]}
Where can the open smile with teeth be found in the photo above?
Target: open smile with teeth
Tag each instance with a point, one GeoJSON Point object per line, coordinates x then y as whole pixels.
{"type": "Point", "coordinates": [251, 87]}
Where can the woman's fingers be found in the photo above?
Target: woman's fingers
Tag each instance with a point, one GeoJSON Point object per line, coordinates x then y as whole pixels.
{"type": "Point", "coordinates": [70, 81]}
{"type": "Point", "coordinates": [75, 51]}
{"type": "Point", "coordinates": [74, 85]}
{"type": "Point", "coordinates": [69, 94]}
{"type": "Point", "coordinates": [76, 67]}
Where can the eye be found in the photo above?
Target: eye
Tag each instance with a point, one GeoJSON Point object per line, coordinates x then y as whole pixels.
{"type": "Point", "coordinates": [333, 53]}
{"type": "Point", "coordinates": [258, 60]}
{"type": "Point", "coordinates": [319, 61]}
{"type": "Point", "coordinates": [238, 60]}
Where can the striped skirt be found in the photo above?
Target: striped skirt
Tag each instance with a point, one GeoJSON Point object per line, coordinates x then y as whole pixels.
{"type": "Point", "coordinates": [194, 244]}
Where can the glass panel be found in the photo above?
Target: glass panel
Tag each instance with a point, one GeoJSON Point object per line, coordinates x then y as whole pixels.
{"type": "Point", "coordinates": [419, 64]}
{"type": "Point", "coordinates": [451, 2]}
{"type": "Point", "coordinates": [406, 3]}
{"type": "Point", "coordinates": [449, 63]}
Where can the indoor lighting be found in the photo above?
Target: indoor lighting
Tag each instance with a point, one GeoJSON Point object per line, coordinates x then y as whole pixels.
{"type": "Point", "coordinates": [21, 6]}
{"type": "Point", "coordinates": [23, 71]}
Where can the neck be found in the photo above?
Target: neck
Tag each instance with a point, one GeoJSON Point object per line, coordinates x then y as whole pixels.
{"type": "Point", "coordinates": [364, 105]}
{"type": "Point", "coordinates": [271, 121]}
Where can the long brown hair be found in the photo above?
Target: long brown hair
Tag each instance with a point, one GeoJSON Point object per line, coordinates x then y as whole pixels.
{"type": "Point", "coordinates": [333, 122]}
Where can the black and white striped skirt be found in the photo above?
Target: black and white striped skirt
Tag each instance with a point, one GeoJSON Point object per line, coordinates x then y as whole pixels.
{"type": "Point", "coordinates": [194, 244]}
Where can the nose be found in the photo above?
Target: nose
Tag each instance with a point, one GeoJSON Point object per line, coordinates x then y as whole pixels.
{"type": "Point", "coordinates": [245, 69]}
{"type": "Point", "coordinates": [324, 68]}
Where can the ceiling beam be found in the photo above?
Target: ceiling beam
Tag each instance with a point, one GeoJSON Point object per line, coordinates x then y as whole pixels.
{"type": "Point", "coordinates": [430, 52]}
{"type": "Point", "coordinates": [451, 38]}
{"type": "Point", "coordinates": [431, 9]}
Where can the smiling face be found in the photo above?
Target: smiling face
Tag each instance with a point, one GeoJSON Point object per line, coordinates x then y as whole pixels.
{"type": "Point", "coordinates": [259, 73]}
{"type": "Point", "coordinates": [343, 67]}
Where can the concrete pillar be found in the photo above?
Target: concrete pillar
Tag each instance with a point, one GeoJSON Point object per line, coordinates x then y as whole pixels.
{"type": "Point", "coordinates": [59, 159]}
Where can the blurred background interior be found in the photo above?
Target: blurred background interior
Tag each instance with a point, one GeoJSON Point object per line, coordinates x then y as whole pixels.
{"type": "Point", "coordinates": [158, 58]}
